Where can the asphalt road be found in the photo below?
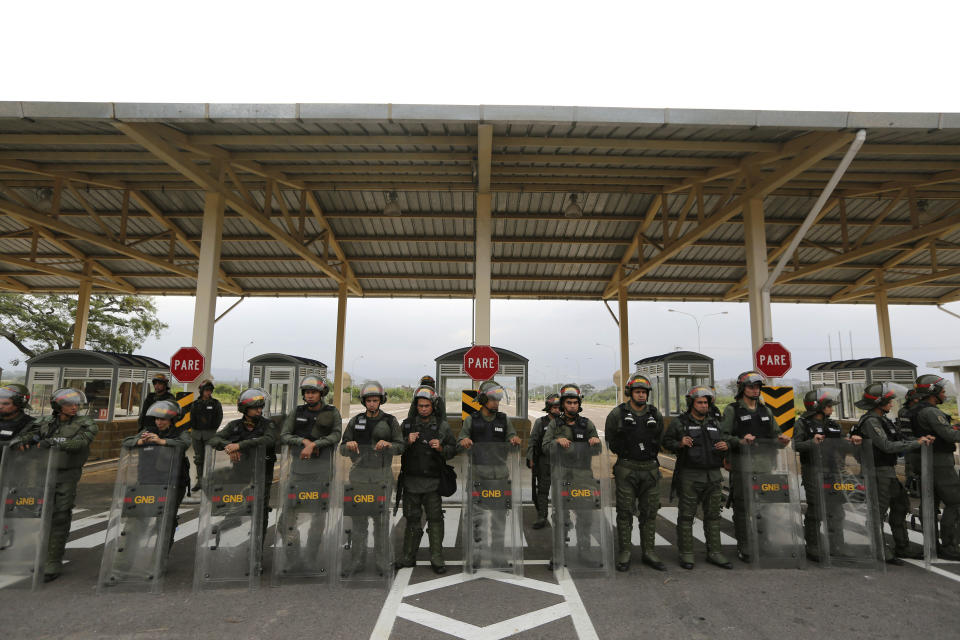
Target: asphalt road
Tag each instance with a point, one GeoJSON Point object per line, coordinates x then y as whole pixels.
{"type": "Point", "coordinates": [812, 602]}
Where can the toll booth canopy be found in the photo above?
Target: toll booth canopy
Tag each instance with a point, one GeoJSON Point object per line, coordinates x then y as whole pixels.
{"type": "Point", "coordinates": [672, 374]}
{"type": "Point", "coordinates": [115, 383]}
{"type": "Point", "coordinates": [852, 376]}
{"type": "Point", "coordinates": [279, 374]}
{"type": "Point", "coordinates": [512, 374]}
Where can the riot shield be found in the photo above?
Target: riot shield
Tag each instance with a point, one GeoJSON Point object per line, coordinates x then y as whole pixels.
{"type": "Point", "coordinates": [772, 491]}
{"type": "Point", "coordinates": [142, 516]}
{"type": "Point", "coordinates": [26, 506]}
{"type": "Point", "coordinates": [300, 549]}
{"type": "Point", "coordinates": [493, 529]}
{"type": "Point", "coordinates": [928, 507]}
{"type": "Point", "coordinates": [850, 528]}
{"type": "Point", "coordinates": [582, 529]}
{"type": "Point", "coordinates": [364, 483]}
{"type": "Point", "coordinates": [232, 519]}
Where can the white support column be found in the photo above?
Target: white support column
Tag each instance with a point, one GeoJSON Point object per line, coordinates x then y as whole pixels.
{"type": "Point", "coordinates": [757, 272]}
{"type": "Point", "coordinates": [83, 309]}
{"type": "Point", "coordinates": [208, 274]}
{"type": "Point", "coordinates": [625, 369]}
{"type": "Point", "coordinates": [342, 399]}
{"type": "Point", "coordinates": [481, 273]}
{"type": "Point", "coordinates": [883, 317]}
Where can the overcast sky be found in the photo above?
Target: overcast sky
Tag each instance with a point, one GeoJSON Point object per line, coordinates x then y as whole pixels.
{"type": "Point", "coordinates": [864, 56]}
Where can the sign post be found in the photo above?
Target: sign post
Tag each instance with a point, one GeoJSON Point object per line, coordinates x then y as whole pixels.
{"type": "Point", "coordinates": [187, 364]}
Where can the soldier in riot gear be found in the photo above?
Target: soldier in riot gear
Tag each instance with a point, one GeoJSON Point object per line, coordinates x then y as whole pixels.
{"type": "Point", "coordinates": [380, 430]}
{"type": "Point", "coordinates": [161, 391]}
{"type": "Point", "coordinates": [165, 433]}
{"type": "Point", "coordinates": [747, 419]}
{"type": "Point", "coordinates": [633, 431]}
{"type": "Point", "coordinates": [313, 425]}
{"type": "Point", "coordinates": [248, 432]}
{"type": "Point", "coordinates": [567, 429]}
{"type": "Point", "coordinates": [206, 414]}
{"type": "Point", "coordinates": [539, 463]}
{"type": "Point", "coordinates": [72, 434]}
{"type": "Point", "coordinates": [696, 438]}
{"type": "Point", "coordinates": [911, 459]}
{"type": "Point", "coordinates": [888, 443]}
{"type": "Point", "coordinates": [929, 421]}
{"type": "Point", "coordinates": [813, 427]}
{"type": "Point", "coordinates": [428, 443]}
{"type": "Point", "coordinates": [441, 410]}
{"type": "Point", "coordinates": [14, 400]}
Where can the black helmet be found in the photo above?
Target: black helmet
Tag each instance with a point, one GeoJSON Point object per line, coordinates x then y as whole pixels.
{"type": "Point", "coordinates": [490, 390]}
{"type": "Point", "coordinates": [428, 392]}
{"type": "Point", "coordinates": [878, 394]}
{"type": "Point", "coordinates": [314, 383]}
{"type": "Point", "coordinates": [18, 394]}
{"type": "Point", "coordinates": [552, 400]}
{"type": "Point", "coordinates": [572, 391]}
{"type": "Point", "coordinates": [61, 397]}
{"type": "Point", "coordinates": [372, 388]}
{"type": "Point", "coordinates": [816, 400]}
{"type": "Point", "coordinates": [161, 377]}
{"type": "Point", "coordinates": [165, 409]}
{"type": "Point", "coordinates": [748, 378]}
{"type": "Point", "coordinates": [930, 384]}
{"type": "Point", "coordinates": [252, 398]}
{"type": "Point", "coordinates": [637, 381]}
{"type": "Point", "coordinates": [911, 396]}
{"type": "Point", "coordinates": [206, 384]}
{"type": "Point", "coordinates": [428, 381]}
{"type": "Point", "coordinates": [700, 391]}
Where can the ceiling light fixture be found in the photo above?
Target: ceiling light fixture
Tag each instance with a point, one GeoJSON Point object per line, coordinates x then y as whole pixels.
{"type": "Point", "coordinates": [392, 208]}
{"type": "Point", "coordinates": [573, 209]}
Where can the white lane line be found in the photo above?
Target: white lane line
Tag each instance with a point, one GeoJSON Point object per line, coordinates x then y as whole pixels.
{"type": "Point", "coordinates": [935, 569]}
{"type": "Point", "coordinates": [388, 614]}
{"type": "Point", "coordinates": [77, 510]}
{"type": "Point", "coordinates": [98, 538]}
{"type": "Point", "coordinates": [672, 514]}
{"type": "Point", "coordinates": [438, 622]}
{"type": "Point", "coordinates": [522, 623]}
{"type": "Point", "coordinates": [578, 613]}
{"type": "Point", "coordinates": [89, 521]}
{"type": "Point", "coordinates": [451, 527]}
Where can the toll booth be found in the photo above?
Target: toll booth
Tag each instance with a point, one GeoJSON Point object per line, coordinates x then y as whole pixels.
{"type": "Point", "coordinates": [852, 376]}
{"type": "Point", "coordinates": [512, 374]}
{"type": "Point", "coordinates": [279, 374]}
{"type": "Point", "coordinates": [672, 374]}
{"type": "Point", "coordinates": [115, 385]}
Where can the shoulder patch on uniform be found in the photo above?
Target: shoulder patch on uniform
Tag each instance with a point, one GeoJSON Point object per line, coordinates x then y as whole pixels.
{"type": "Point", "coordinates": [942, 418]}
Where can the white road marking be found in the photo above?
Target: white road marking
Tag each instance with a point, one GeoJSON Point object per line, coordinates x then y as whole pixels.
{"type": "Point", "coordinates": [673, 513]}
{"type": "Point", "coordinates": [388, 614]}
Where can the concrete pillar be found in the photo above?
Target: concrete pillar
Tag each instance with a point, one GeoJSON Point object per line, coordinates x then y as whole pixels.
{"type": "Point", "coordinates": [481, 271]}
{"type": "Point", "coordinates": [83, 309]}
{"type": "Point", "coordinates": [883, 318]}
{"type": "Point", "coordinates": [208, 275]}
{"type": "Point", "coordinates": [342, 399]}
{"type": "Point", "coordinates": [625, 368]}
{"type": "Point", "coordinates": [757, 271]}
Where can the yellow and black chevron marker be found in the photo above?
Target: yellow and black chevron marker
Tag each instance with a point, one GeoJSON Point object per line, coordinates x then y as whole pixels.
{"type": "Point", "coordinates": [780, 401]}
{"type": "Point", "coordinates": [185, 403]}
{"type": "Point", "coordinates": [469, 402]}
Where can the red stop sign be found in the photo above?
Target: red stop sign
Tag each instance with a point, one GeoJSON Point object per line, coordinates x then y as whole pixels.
{"type": "Point", "coordinates": [481, 362]}
{"type": "Point", "coordinates": [772, 360]}
{"type": "Point", "coordinates": [186, 364]}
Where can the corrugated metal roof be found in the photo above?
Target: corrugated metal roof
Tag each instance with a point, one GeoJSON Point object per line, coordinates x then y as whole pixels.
{"type": "Point", "coordinates": [350, 157]}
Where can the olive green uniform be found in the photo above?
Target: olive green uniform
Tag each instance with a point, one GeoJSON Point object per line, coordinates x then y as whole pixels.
{"type": "Point", "coordinates": [12, 427]}
{"type": "Point", "coordinates": [803, 443]}
{"type": "Point", "coordinates": [366, 470]}
{"type": "Point", "coordinates": [153, 397]}
{"type": "Point", "coordinates": [205, 419]}
{"type": "Point", "coordinates": [498, 518]}
{"type": "Point", "coordinates": [540, 464]}
{"type": "Point", "coordinates": [889, 442]}
{"type": "Point", "coordinates": [738, 420]}
{"type": "Point", "coordinates": [420, 473]}
{"type": "Point", "coordinates": [911, 459]}
{"type": "Point", "coordinates": [578, 431]}
{"type": "Point", "coordinates": [698, 481]}
{"type": "Point", "coordinates": [72, 438]}
{"type": "Point", "coordinates": [930, 420]}
{"type": "Point", "coordinates": [635, 437]}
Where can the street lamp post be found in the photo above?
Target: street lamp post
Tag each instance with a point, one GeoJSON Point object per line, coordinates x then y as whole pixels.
{"type": "Point", "coordinates": [698, 321]}
{"type": "Point", "coordinates": [243, 358]}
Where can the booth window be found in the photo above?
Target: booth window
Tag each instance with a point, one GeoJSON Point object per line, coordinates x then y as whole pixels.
{"type": "Point", "coordinates": [129, 397]}
{"type": "Point", "coordinates": [97, 389]}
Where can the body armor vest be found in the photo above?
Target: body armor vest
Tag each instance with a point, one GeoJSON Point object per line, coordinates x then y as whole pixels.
{"type": "Point", "coordinates": [706, 434]}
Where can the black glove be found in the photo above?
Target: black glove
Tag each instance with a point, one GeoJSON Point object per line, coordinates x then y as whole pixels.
{"type": "Point", "coordinates": [46, 443]}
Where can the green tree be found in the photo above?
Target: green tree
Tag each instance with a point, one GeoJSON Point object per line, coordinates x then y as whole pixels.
{"type": "Point", "coordinates": [37, 324]}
